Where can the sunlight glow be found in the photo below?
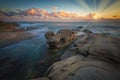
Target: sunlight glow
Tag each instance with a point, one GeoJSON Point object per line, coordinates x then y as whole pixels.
{"type": "Point", "coordinates": [95, 17]}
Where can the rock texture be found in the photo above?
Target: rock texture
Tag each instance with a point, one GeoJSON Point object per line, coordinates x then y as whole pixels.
{"type": "Point", "coordinates": [91, 57]}
{"type": "Point", "coordinates": [104, 47]}
{"type": "Point", "coordinates": [82, 68]}
{"type": "Point", "coordinates": [61, 38]}
{"type": "Point", "coordinates": [49, 34]}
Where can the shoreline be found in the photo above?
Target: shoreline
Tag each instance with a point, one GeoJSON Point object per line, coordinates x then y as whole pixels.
{"type": "Point", "coordinates": [54, 57]}
{"type": "Point", "coordinates": [9, 38]}
{"type": "Point", "coordinates": [10, 33]}
{"type": "Point", "coordinates": [94, 47]}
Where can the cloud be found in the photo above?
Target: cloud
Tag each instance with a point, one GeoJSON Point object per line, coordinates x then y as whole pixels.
{"type": "Point", "coordinates": [37, 14]}
{"type": "Point", "coordinates": [90, 16]}
{"type": "Point", "coordinates": [116, 16]}
{"type": "Point", "coordinates": [64, 14]}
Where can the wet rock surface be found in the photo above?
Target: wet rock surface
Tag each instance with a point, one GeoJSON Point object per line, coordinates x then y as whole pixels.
{"type": "Point", "coordinates": [90, 57]}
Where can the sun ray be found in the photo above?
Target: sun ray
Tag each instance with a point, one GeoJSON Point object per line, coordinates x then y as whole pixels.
{"type": "Point", "coordinates": [95, 7]}
{"type": "Point", "coordinates": [113, 9]}
{"type": "Point", "coordinates": [103, 4]}
{"type": "Point", "coordinates": [84, 6]}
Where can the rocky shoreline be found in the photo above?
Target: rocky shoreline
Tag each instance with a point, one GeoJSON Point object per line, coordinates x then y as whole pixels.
{"type": "Point", "coordinates": [90, 57]}
{"type": "Point", "coordinates": [10, 33]}
{"type": "Point", "coordinates": [74, 54]}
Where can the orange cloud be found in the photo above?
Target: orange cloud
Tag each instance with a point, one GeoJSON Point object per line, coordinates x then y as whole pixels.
{"type": "Point", "coordinates": [37, 14]}
{"type": "Point", "coordinates": [65, 14]}
{"type": "Point", "coordinates": [31, 11]}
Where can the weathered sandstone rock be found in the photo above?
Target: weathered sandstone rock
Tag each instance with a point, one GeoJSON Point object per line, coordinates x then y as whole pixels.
{"type": "Point", "coordinates": [60, 39]}
{"type": "Point", "coordinates": [49, 34]}
{"type": "Point", "coordinates": [96, 58]}
{"type": "Point", "coordinates": [81, 68]}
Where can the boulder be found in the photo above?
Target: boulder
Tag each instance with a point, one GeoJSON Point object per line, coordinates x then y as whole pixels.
{"type": "Point", "coordinates": [97, 58]}
{"type": "Point", "coordinates": [53, 41]}
{"type": "Point", "coordinates": [66, 35]}
{"type": "Point", "coordinates": [82, 68]}
{"type": "Point", "coordinates": [49, 34]}
{"type": "Point", "coordinates": [103, 47]}
{"type": "Point", "coordinates": [60, 39]}
{"type": "Point", "coordinates": [80, 27]}
{"type": "Point", "coordinates": [87, 31]}
{"type": "Point", "coordinates": [90, 57]}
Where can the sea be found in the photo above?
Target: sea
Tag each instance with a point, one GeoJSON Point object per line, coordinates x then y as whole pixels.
{"type": "Point", "coordinates": [31, 58]}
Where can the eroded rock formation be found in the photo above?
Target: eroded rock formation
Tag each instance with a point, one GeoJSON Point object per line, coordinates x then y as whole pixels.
{"type": "Point", "coordinates": [90, 57]}
{"type": "Point", "coordinates": [61, 38]}
{"type": "Point", "coordinates": [96, 57]}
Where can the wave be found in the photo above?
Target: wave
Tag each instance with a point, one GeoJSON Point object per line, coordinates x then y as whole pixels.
{"type": "Point", "coordinates": [26, 25]}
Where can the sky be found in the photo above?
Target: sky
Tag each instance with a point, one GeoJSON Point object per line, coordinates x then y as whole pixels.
{"type": "Point", "coordinates": [59, 10]}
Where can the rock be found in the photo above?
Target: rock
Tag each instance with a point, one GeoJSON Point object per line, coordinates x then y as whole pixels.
{"type": "Point", "coordinates": [82, 68]}
{"type": "Point", "coordinates": [80, 41]}
{"type": "Point", "coordinates": [106, 47]}
{"type": "Point", "coordinates": [87, 31]}
{"type": "Point", "coordinates": [60, 39]}
{"type": "Point", "coordinates": [80, 27]}
{"type": "Point", "coordinates": [66, 35]}
{"type": "Point", "coordinates": [70, 52]}
{"type": "Point", "coordinates": [98, 58]}
{"type": "Point", "coordinates": [40, 79]}
{"type": "Point", "coordinates": [103, 47]}
{"type": "Point", "coordinates": [49, 34]}
{"type": "Point", "coordinates": [90, 57]}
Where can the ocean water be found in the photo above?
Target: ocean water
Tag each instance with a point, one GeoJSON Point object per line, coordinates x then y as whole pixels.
{"type": "Point", "coordinates": [30, 58]}
{"type": "Point", "coordinates": [97, 27]}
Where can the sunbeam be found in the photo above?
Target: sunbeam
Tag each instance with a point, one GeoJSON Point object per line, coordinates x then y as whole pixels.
{"type": "Point", "coordinates": [95, 6]}
{"type": "Point", "coordinates": [102, 5]}
{"type": "Point", "coordinates": [74, 10]}
{"type": "Point", "coordinates": [84, 6]}
{"type": "Point", "coordinates": [109, 11]}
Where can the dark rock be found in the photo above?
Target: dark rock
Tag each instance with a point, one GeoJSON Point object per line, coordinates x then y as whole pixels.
{"type": "Point", "coordinates": [80, 27]}
{"type": "Point", "coordinates": [87, 31]}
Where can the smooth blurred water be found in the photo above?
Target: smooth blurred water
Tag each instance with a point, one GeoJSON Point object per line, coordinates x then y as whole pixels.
{"type": "Point", "coordinates": [97, 27]}
{"type": "Point", "coordinates": [18, 61]}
